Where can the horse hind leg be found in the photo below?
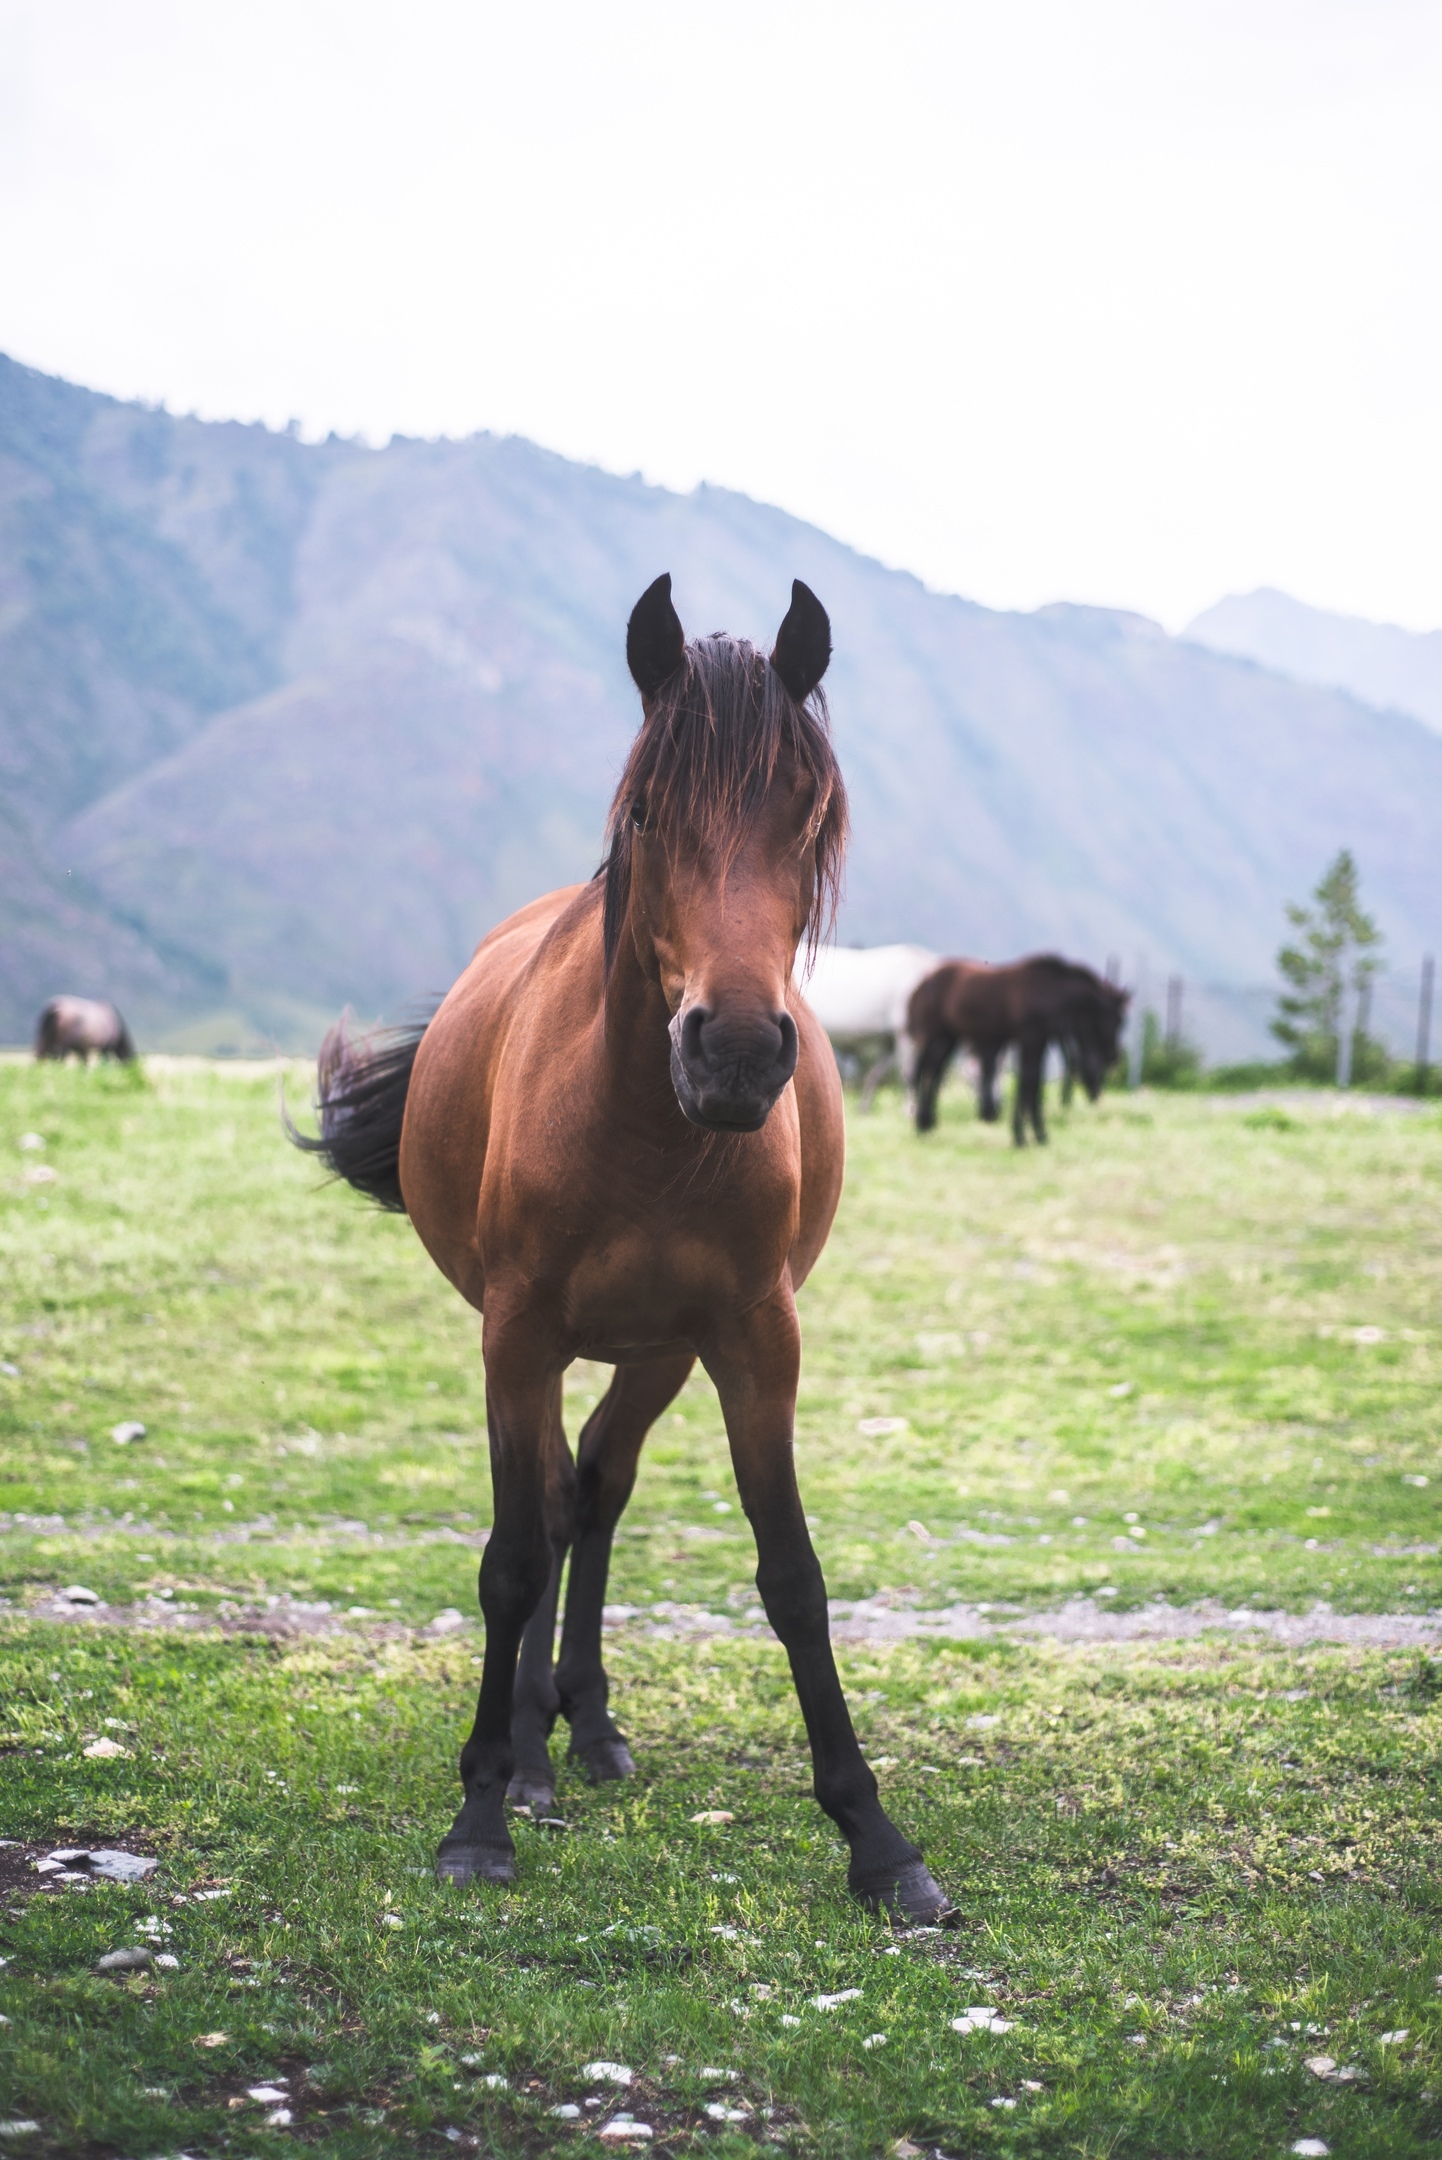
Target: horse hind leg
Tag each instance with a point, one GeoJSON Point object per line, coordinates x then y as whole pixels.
{"type": "Point", "coordinates": [880, 1069]}
{"type": "Point", "coordinates": [609, 1449]}
{"type": "Point", "coordinates": [1030, 1086]}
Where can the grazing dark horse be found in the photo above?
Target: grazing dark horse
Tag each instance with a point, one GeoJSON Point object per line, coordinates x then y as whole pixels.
{"type": "Point", "coordinates": [621, 1138]}
{"type": "Point", "coordinates": [1031, 1003]}
{"type": "Point", "coordinates": [74, 1026]}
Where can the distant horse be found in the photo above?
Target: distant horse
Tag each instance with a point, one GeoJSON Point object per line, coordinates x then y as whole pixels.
{"type": "Point", "coordinates": [621, 1137]}
{"type": "Point", "coordinates": [73, 1026]}
{"type": "Point", "coordinates": [860, 996]}
{"type": "Point", "coordinates": [1031, 1003]}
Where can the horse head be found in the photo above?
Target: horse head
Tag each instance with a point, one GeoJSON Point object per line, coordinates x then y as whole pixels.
{"type": "Point", "coordinates": [1098, 1032]}
{"type": "Point", "coordinates": [727, 834]}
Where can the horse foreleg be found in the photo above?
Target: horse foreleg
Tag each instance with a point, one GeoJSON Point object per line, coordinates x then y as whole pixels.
{"type": "Point", "coordinates": [881, 1069]}
{"type": "Point", "coordinates": [533, 1782]}
{"type": "Point", "coordinates": [986, 1105]}
{"type": "Point", "coordinates": [1026, 1103]}
{"type": "Point", "coordinates": [755, 1368]}
{"type": "Point", "coordinates": [609, 1449]}
{"type": "Point", "coordinates": [522, 1410]}
{"type": "Point", "coordinates": [930, 1068]}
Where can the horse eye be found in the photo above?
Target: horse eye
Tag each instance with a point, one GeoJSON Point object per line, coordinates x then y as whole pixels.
{"type": "Point", "coordinates": [638, 813]}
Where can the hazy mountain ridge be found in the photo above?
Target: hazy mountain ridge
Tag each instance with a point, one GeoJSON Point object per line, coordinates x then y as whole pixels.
{"type": "Point", "coordinates": [379, 698]}
{"type": "Point", "coordinates": [145, 563]}
{"type": "Point", "coordinates": [1380, 663]}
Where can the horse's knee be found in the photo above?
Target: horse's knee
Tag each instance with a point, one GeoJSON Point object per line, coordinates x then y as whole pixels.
{"type": "Point", "coordinates": [515, 1572]}
{"type": "Point", "coordinates": [561, 1502]}
{"type": "Point", "coordinates": [795, 1599]}
{"type": "Point", "coordinates": [603, 1486]}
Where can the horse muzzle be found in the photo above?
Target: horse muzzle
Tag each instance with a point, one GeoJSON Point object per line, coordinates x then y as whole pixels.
{"type": "Point", "coordinates": [728, 1072]}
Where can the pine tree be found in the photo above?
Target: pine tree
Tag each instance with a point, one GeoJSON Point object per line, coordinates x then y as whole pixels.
{"type": "Point", "coordinates": [1333, 953]}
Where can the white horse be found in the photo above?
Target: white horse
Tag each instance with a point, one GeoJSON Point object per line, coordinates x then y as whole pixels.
{"type": "Point", "coordinates": [860, 995]}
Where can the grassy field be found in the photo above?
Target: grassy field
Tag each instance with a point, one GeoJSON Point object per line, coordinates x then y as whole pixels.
{"type": "Point", "coordinates": [1189, 1352]}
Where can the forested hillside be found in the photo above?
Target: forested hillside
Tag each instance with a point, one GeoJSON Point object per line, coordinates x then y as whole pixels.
{"type": "Point", "coordinates": [284, 725]}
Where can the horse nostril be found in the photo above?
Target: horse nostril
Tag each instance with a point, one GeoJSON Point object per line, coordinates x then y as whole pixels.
{"type": "Point", "coordinates": [759, 1052]}
{"type": "Point", "coordinates": [692, 1052]}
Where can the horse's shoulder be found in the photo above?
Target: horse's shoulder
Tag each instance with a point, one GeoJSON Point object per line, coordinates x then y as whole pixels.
{"type": "Point", "coordinates": [529, 924]}
{"type": "Point", "coordinates": [499, 968]}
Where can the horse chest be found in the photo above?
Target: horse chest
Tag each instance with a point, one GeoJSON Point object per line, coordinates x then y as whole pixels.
{"type": "Point", "coordinates": [662, 1267]}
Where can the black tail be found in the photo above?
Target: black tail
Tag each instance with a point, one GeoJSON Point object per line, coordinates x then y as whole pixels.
{"type": "Point", "coordinates": [362, 1082]}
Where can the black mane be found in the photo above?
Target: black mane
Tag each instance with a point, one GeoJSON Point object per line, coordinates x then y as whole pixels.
{"type": "Point", "coordinates": [704, 758]}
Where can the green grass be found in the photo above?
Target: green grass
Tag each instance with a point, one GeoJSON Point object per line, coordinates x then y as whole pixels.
{"type": "Point", "coordinates": [1212, 1323]}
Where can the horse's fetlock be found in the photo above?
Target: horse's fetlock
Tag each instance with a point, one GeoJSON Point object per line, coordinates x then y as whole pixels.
{"type": "Point", "coordinates": [485, 1763]}
{"type": "Point", "coordinates": [849, 1796]}
{"type": "Point", "coordinates": [577, 1683]}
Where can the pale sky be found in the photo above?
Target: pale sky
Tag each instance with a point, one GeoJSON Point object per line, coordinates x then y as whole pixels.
{"type": "Point", "coordinates": [1127, 301]}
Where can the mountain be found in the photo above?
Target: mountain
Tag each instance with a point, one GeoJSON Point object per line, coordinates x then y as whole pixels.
{"type": "Point", "coordinates": [284, 725]}
{"type": "Point", "coordinates": [1385, 666]}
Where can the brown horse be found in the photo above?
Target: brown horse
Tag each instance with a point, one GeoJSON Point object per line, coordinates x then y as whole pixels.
{"type": "Point", "coordinates": [1031, 1003]}
{"type": "Point", "coordinates": [621, 1138]}
{"type": "Point", "coordinates": [82, 1027]}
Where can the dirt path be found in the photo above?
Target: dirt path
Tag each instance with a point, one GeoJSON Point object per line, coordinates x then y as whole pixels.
{"type": "Point", "coordinates": [890, 1616]}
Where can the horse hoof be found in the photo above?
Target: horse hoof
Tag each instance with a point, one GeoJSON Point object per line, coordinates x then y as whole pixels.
{"type": "Point", "coordinates": [461, 1864]}
{"type": "Point", "coordinates": [604, 1760]}
{"type": "Point", "coordinates": [914, 1895]}
{"type": "Point", "coordinates": [526, 1790]}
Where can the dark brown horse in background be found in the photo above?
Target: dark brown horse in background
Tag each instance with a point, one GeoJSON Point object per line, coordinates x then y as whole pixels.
{"type": "Point", "coordinates": [1032, 1003]}
{"type": "Point", "coordinates": [621, 1138]}
{"type": "Point", "coordinates": [82, 1027]}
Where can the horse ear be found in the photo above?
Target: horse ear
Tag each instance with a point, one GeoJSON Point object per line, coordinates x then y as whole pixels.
{"type": "Point", "coordinates": [803, 643]}
{"type": "Point", "coordinates": [655, 641]}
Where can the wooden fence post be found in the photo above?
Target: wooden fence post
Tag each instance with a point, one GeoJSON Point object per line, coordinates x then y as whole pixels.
{"type": "Point", "coordinates": [1174, 1011]}
{"type": "Point", "coordinates": [1424, 1024]}
{"type": "Point", "coordinates": [1344, 1040]}
{"type": "Point", "coordinates": [1137, 1046]}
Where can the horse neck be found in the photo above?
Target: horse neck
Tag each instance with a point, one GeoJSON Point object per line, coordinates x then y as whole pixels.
{"type": "Point", "coordinates": [636, 1043]}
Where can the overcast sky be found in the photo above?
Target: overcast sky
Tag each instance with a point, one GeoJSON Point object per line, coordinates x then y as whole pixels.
{"type": "Point", "coordinates": [1131, 301]}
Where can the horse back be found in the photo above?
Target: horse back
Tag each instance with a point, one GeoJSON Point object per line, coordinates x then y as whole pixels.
{"type": "Point", "coordinates": [82, 1024]}
{"type": "Point", "coordinates": [966, 999]}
